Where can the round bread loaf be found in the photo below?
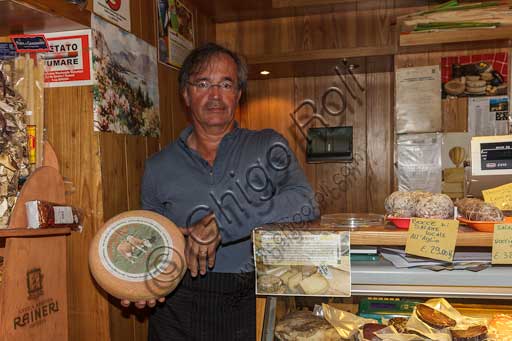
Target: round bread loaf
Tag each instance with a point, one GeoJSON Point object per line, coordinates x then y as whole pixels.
{"type": "Point", "coordinates": [436, 206]}
{"type": "Point", "coordinates": [138, 255]}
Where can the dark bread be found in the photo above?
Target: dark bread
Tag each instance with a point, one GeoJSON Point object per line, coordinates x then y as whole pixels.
{"type": "Point", "coordinates": [433, 318]}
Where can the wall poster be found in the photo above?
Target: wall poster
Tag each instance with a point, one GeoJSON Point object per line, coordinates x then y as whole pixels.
{"type": "Point", "coordinates": [175, 32]}
{"type": "Point", "coordinates": [126, 86]}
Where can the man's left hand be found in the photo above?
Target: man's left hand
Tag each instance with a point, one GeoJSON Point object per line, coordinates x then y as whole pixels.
{"type": "Point", "coordinates": [202, 242]}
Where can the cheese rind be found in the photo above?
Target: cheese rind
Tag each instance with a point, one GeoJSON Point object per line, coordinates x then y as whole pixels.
{"type": "Point", "coordinates": [138, 255]}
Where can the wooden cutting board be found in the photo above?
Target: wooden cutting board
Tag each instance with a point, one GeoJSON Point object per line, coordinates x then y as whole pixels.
{"type": "Point", "coordinates": [44, 184]}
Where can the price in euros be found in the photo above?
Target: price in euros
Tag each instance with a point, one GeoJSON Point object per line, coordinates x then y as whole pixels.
{"type": "Point", "coordinates": [436, 251]}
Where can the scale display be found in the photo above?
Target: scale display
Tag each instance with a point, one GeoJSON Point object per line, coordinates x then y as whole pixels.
{"type": "Point", "coordinates": [497, 155]}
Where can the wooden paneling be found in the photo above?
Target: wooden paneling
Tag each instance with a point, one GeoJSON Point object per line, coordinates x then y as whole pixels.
{"type": "Point", "coordinates": [69, 125]}
{"type": "Point", "coordinates": [335, 30]}
{"type": "Point", "coordinates": [359, 186]}
{"type": "Point", "coordinates": [455, 114]}
{"type": "Point", "coordinates": [380, 123]}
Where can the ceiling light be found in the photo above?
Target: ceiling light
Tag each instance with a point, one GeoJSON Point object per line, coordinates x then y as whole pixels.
{"type": "Point", "coordinates": [264, 72]}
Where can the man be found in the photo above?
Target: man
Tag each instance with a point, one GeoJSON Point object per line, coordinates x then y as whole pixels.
{"type": "Point", "coordinates": [218, 182]}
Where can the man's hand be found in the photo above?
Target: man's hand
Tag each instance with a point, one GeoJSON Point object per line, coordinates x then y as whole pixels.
{"type": "Point", "coordinates": [202, 242]}
{"type": "Point", "coordinates": [142, 304]}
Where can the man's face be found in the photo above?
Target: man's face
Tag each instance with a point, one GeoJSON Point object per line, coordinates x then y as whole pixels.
{"type": "Point", "coordinates": [215, 106]}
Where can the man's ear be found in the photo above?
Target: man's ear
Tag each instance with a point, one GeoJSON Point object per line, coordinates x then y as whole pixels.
{"type": "Point", "coordinates": [239, 95]}
{"type": "Point", "coordinates": [186, 98]}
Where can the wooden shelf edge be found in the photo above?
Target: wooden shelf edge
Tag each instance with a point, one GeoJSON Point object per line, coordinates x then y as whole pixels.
{"type": "Point", "coordinates": [316, 55]}
{"type": "Point", "coordinates": [25, 232]}
{"type": "Point", "coordinates": [434, 38]}
{"type": "Point", "coordinates": [399, 237]}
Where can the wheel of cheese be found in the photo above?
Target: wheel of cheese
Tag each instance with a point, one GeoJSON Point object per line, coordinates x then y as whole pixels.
{"type": "Point", "coordinates": [138, 255]}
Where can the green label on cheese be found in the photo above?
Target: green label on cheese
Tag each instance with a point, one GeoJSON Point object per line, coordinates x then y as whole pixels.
{"type": "Point", "coordinates": [135, 249]}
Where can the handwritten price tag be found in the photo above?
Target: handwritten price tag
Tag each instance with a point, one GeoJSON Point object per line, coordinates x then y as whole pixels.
{"type": "Point", "coordinates": [432, 238]}
{"type": "Point", "coordinates": [502, 244]}
{"type": "Point", "coordinates": [500, 196]}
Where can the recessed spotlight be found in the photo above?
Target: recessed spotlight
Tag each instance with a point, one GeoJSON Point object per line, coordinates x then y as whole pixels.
{"type": "Point", "coordinates": [264, 72]}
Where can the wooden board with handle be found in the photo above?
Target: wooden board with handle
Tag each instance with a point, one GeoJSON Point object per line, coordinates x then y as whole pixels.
{"type": "Point", "coordinates": [44, 184]}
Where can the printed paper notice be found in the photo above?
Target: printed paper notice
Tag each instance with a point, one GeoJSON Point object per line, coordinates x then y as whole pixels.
{"type": "Point", "coordinates": [500, 196]}
{"type": "Point", "coordinates": [432, 238]}
{"type": "Point", "coordinates": [69, 62]}
{"type": "Point", "coordinates": [308, 249]}
{"type": "Point", "coordinates": [418, 100]}
{"type": "Point", "coordinates": [115, 11]}
{"type": "Point", "coordinates": [502, 244]}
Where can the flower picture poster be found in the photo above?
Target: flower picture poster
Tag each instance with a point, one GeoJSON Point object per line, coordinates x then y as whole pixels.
{"type": "Point", "coordinates": [125, 90]}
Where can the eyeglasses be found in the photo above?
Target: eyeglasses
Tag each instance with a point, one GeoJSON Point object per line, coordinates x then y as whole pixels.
{"type": "Point", "coordinates": [204, 85]}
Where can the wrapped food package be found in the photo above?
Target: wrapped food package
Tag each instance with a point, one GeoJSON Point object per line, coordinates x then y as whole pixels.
{"type": "Point", "coordinates": [44, 214]}
{"type": "Point", "coordinates": [436, 206]}
{"type": "Point", "coordinates": [436, 319]}
{"type": "Point", "coordinates": [303, 325]}
{"type": "Point", "coordinates": [14, 163]}
{"type": "Point", "coordinates": [478, 210]}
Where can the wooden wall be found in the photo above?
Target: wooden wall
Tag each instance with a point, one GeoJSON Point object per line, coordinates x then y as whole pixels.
{"type": "Point", "coordinates": [360, 186]}
{"type": "Point", "coordinates": [454, 110]}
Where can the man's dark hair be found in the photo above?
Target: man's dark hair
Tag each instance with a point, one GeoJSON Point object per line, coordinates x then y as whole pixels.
{"type": "Point", "coordinates": [199, 58]}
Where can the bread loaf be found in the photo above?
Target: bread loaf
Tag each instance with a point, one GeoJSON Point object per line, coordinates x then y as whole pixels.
{"type": "Point", "coordinates": [478, 210]}
{"type": "Point", "coordinates": [436, 206]}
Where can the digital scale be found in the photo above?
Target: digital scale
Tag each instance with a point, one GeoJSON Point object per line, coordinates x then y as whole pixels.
{"type": "Point", "coordinates": [491, 155]}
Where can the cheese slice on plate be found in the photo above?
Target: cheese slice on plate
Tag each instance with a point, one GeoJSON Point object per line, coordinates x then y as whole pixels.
{"type": "Point", "coordinates": [138, 255]}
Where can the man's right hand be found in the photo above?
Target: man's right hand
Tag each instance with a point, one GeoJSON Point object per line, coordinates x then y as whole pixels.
{"type": "Point", "coordinates": [142, 304]}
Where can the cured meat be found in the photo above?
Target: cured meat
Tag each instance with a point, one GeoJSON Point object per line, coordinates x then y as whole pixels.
{"type": "Point", "coordinates": [433, 318]}
{"type": "Point", "coordinates": [478, 210]}
{"type": "Point", "coordinates": [303, 325]}
{"type": "Point", "coordinates": [436, 206]}
{"type": "Point", "coordinates": [475, 333]}
{"type": "Point", "coordinates": [369, 330]}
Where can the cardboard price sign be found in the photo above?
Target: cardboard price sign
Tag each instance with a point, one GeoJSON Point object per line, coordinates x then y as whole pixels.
{"type": "Point", "coordinates": [500, 196]}
{"type": "Point", "coordinates": [502, 244]}
{"type": "Point", "coordinates": [432, 238]}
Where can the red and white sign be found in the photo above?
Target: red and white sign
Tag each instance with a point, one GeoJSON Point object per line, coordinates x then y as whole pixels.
{"type": "Point", "coordinates": [115, 11]}
{"type": "Point", "coordinates": [69, 61]}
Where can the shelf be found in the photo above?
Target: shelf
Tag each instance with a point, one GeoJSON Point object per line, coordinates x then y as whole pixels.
{"type": "Point", "coordinates": [381, 278]}
{"type": "Point", "coordinates": [392, 236]}
{"type": "Point", "coordinates": [310, 63]}
{"type": "Point", "coordinates": [388, 235]}
{"type": "Point", "coordinates": [24, 232]}
{"type": "Point", "coordinates": [455, 36]}
{"type": "Point", "coordinates": [41, 16]}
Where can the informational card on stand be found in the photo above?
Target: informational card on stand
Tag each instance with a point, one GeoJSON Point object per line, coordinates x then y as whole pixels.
{"type": "Point", "coordinates": [302, 263]}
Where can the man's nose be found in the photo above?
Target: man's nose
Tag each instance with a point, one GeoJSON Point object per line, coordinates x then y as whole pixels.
{"type": "Point", "coordinates": [214, 90]}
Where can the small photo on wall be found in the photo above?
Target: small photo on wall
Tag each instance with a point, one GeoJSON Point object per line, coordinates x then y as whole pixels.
{"type": "Point", "coordinates": [475, 75]}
